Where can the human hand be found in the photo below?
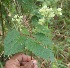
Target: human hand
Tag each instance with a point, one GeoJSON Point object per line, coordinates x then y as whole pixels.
{"type": "Point", "coordinates": [21, 61]}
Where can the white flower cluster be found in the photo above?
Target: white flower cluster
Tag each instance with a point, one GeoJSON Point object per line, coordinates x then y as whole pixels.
{"type": "Point", "coordinates": [49, 12]}
{"type": "Point", "coordinates": [17, 18]}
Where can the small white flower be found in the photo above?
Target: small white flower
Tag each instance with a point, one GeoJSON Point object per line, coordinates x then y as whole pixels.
{"type": "Point", "coordinates": [51, 14]}
{"type": "Point", "coordinates": [21, 16]}
{"type": "Point", "coordinates": [13, 19]}
{"type": "Point", "coordinates": [18, 20]}
{"type": "Point", "coordinates": [51, 9]}
{"type": "Point", "coordinates": [41, 21]}
{"type": "Point", "coordinates": [59, 13]}
{"type": "Point", "coordinates": [59, 9]}
{"type": "Point", "coordinates": [15, 16]}
{"type": "Point", "coordinates": [45, 7]}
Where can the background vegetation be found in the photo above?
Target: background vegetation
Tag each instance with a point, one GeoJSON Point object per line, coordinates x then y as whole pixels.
{"type": "Point", "coordinates": [40, 28]}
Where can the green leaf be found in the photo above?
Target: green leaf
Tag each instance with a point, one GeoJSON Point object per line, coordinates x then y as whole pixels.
{"type": "Point", "coordinates": [1, 66]}
{"type": "Point", "coordinates": [43, 39]}
{"type": "Point", "coordinates": [43, 29]}
{"type": "Point", "coordinates": [28, 5]}
{"type": "Point", "coordinates": [37, 49]}
{"type": "Point", "coordinates": [34, 20]}
{"type": "Point", "coordinates": [52, 56]}
{"type": "Point", "coordinates": [25, 31]}
{"type": "Point", "coordinates": [13, 43]}
{"type": "Point", "coordinates": [40, 0]}
{"type": "Point", "coordinates": [68, 40]}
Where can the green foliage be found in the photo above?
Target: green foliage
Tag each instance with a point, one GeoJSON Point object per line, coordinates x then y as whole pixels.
{"type": "Point", "coordinates": [37, 49]}
{"type": "Point", "coordinates": [13, 43]}
{"type": "Point", "coordinates": [27, 5]}
{"type": "Point", "coordinates": [40, 26]}
{"type": "Point", "coordinates": [41, 38]}
{"type": "Point", "coordinates": [1, 66]}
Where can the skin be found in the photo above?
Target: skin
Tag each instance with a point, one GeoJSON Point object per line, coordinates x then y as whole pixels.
{"type": "Point", "coordinates": [21, 61]}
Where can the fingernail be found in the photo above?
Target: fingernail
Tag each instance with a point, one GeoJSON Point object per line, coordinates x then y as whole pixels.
{"type": "Point", "coordinates": [34, 61]}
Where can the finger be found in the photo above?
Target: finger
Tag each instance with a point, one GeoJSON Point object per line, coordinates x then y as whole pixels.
{"type": "Point", "coordinates": [23, 63]}
{"type": "Point", "coordinates": [21, 57]}
{"type": "Point", "coordinates": [29, 65]}
{"type": "Point", "coordinates": [27, 58]}
{"type": "Point", "coordinates": [35, 66]}
{"type": "Point", "coordinates": [34, 61]}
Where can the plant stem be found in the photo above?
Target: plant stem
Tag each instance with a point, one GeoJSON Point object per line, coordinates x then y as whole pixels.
{"type": "Point", "coordinates": [2, 24]}
{"type": "Point", "coordinates": [31, 55]}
